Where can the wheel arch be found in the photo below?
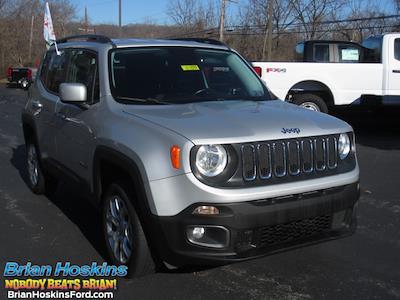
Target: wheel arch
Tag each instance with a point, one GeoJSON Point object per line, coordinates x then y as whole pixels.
{"type": "Point", "coordinates": [107, 162]}
{"type": "Point", "coordinates": [110, 160]}
{"type": "Point", "coordinates": [312, 87]}
{"type": "Point", "coordinates": [28, 127]}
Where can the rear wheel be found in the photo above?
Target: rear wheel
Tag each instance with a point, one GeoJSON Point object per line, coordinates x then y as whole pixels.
{"type": "Point", "coordinates": [311, 101]}
{"type": "Point", "coordinates": [38, 181]}
{"type": "Point", "coordinates": [125, 239]}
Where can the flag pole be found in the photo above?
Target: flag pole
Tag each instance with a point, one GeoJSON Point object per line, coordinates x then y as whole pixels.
{"type": "Point", "coordinates": [48, 30]}
{"type": "Point", "coordinates": [57, 51]}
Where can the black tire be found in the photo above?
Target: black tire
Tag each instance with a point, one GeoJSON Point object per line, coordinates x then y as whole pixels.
{"type": "Point", "coordinates": [311, 101]}
{"type": "Point", "coordinates": [43, 184]}
{"type": "Point", "coordinates": [140, 262]}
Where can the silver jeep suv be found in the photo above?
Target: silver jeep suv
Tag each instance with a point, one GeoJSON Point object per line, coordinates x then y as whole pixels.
{"type": "Point", "coordinates": [186, 153]}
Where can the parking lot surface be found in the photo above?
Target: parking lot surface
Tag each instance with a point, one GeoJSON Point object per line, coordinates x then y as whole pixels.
{"type": "Point", "coordinates": [363, 266]}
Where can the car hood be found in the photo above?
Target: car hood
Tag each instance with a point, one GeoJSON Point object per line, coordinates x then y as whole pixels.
{"type": "Point", "coordinates": [238, 121]}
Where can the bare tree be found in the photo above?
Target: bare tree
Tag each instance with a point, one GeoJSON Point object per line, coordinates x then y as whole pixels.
{"type": "Point", "coordinates": [367, 21]}
{"type": "Point", "coordinates": [254, 17]}
{"type": "Point", "coordinates": [182, 12]}
{"type": "Point", "coordinates": [312, 13]}
{"type": "Point", "coordinates": [192, 15]}
{"type": "Point", "coordinates": [15, 28]}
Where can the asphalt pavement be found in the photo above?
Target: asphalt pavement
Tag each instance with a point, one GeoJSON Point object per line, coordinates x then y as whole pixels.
{"type": "Point", "coordinates": [363, 266]}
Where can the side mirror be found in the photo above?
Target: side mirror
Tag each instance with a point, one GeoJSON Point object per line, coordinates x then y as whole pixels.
{"type": "Point", "coordinates": [73, 93]}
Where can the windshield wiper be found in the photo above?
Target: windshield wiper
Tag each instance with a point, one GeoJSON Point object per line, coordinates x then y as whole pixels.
{"type": "Point", "coordinates": [146, 100]}
{"type": "Point", "coordinates": [222, 99]}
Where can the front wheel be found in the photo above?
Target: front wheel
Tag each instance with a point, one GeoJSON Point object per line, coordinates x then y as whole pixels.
{"type": "Point", "coordinates": [125, 239]}
{"type": "Point", "coordinates": [311, 102]}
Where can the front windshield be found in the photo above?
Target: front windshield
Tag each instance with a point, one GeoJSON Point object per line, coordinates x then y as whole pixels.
{"type": "Point", "coordinates": [182, 75]}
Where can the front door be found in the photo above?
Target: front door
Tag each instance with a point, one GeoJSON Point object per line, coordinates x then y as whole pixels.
{"type": "Point", "coordinates": [75, 137]}
{"type": "Point", "coordinates": [393, 67]}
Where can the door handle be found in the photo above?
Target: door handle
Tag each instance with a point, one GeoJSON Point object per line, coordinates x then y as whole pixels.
{"type": "Point", "coordinates": [396, 71]}
{"type": "Point", "coordinates": [37, 105]}
{"type": "Point", "coordinates": [61, 116]}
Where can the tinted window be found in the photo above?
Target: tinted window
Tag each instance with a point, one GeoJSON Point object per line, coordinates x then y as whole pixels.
{"type": "Point", "coordinates": [349, 54]}
{"type": "Point", "coordinates": [397, 49]}
{"type": "Point", "coordinates": [321, 53]}
{"type": "Point", "coordinates": [43, 70]}
{"type": "Point", "coordinates": [180, 74]}
{"type": "Point", "coordinates": [54, 70]}
{"type": "Point", "coordinates": [83, 69]}
{"type": "Point", "coordinates": [373, 51]}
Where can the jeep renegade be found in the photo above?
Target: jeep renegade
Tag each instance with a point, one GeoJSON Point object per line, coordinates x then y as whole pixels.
{"type": "Point", "coordinates": [186, 153]}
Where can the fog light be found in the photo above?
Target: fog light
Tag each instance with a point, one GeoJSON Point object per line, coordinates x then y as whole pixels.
{"type": "Point", "coordinates": [211, 236]}
{"type": "Point", "coordinates": [198, 232]}
{"type": "Point", "coordinates": [339, 220]}
{"type": "Point", "coordinates": [206, 210]}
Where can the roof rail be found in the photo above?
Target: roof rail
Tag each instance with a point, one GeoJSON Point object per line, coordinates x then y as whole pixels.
{"type": "Point", "coordinates": [87, 38]}
{"type": "Point", "coordinates": [202, 40]}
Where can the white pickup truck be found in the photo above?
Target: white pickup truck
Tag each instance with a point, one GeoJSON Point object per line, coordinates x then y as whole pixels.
{"type": "Point", "coordinates": [338, 73]}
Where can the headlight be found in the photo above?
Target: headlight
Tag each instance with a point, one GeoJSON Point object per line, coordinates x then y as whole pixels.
{"type": "Point", "coordinates": [211, 160]}
{"type": "Point", "coordinates": [344, 145]}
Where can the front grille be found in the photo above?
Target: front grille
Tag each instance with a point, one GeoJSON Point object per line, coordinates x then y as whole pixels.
{"type": "Point", "coordinates": [282, 233]}
{"type": "Point", "coordinates": [295, 157]}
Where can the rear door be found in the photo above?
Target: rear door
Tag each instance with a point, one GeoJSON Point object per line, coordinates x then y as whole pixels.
{"type": "Point", "coordinates": [44, 98]}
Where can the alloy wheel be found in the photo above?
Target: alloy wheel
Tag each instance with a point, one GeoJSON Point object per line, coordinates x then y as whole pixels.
{"type": "Point", "coordinates": [33, 165]}
{"type": "Point", "coordinates": [310, 105]}
{"type": "Point", "coordinates": [119, 229]}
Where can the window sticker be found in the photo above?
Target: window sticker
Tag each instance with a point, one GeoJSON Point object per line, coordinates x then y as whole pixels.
{"type": "Point", "coordinates": [350, 54]}
{"type": "Point", "coordinates": [190, 67]}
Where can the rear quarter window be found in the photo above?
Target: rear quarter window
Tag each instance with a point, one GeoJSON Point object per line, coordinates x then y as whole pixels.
{"type": "Point", "coordinates": [321, 52]}
{"type": "Point", "coordinates": [299, 52]}
{"type": "Point", "coordinates": [44, 67]}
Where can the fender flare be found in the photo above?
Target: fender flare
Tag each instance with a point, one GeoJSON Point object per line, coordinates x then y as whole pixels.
{"type": "Point", "coordinates": [315, 86]}
{"type": "Point", "coordinates": [27, 120]}
{"type": "Point", "coordinates": [143, 202]}
{"type": "Point", "coordinates": [134, 168]}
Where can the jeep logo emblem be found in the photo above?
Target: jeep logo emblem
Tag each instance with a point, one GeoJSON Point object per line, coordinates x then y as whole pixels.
{"type": "Point", "coordinates": [290, 130]}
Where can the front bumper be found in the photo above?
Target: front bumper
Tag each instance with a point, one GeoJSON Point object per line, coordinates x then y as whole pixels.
{"type": "Point", "coordinates": [170, 196]}
{"type": "Point", "coordinates": [261, 227]}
